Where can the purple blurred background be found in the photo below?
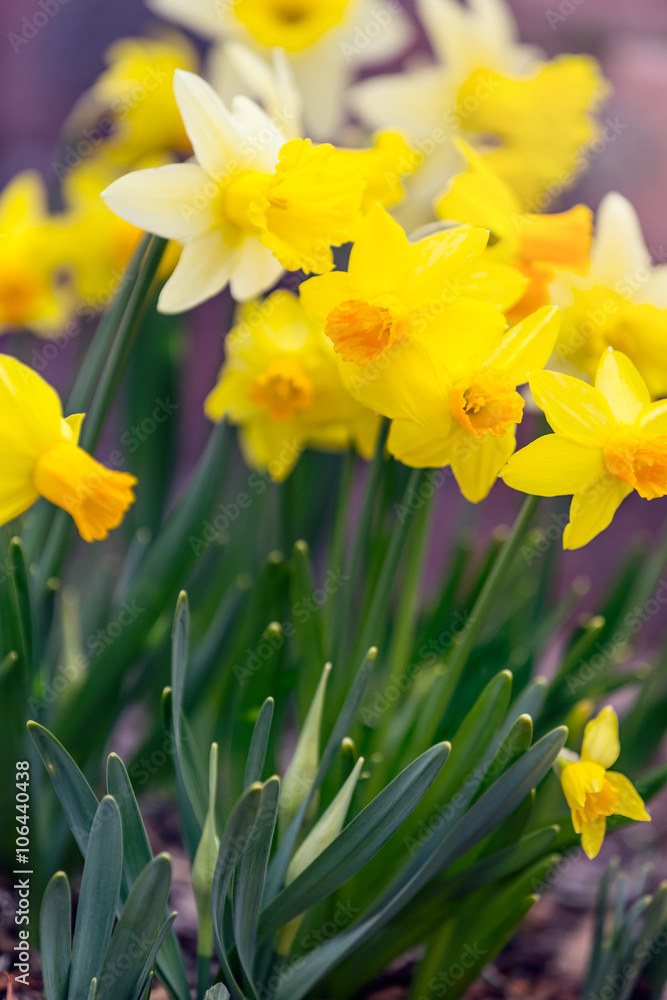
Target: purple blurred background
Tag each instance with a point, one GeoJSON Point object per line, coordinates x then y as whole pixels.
{"type": "Point", "coordinates": [41, 81]}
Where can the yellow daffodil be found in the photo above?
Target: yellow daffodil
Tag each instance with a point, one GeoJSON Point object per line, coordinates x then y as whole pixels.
{"type": "Point", "coordinates": [41, 457]}
{"type": "Point", "coordinates": [326, 42]}
{"type": "Point", "coordinates": [32, 296]}
{"type": "Point", "coordinates": [251, 206]}
{"type": "Point", "coordinates": [504, 96]}
{"type": "Point", "coordinates": [620, 303]}
{"type": "Point", "coordinates": [420, 337]}
{"type": "Point", "coordinates": [281, 385]}
{"type": "Point", "coordinates": [609, 440]}
{"type": "Point", "coordinates": [593, 793]}
{"type": "Point", "coordinates": [136, 92]}
{"type": "Point", "coordinates": [536, 244]}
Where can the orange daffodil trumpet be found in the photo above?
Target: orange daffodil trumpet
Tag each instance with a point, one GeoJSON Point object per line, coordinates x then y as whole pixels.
{"type": "Point", "coordinates": [41, 457]}
{"type": "Point", "coordinates": [281, 385]}
{"type": "Point", "coordinates": [593, 792]}
{"type": "Point", "coordinates": [252, 205]}
{"type": "Point", "coordinates": [609, 440]}
{"type": "Point", "coordinates": [420, 337]}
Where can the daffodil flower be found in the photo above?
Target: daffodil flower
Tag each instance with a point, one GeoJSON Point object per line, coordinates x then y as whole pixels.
{"type": "Point", "coordinates": [251, 206]}
{"type": "Point", "coordinates": [31, 295]}
{"type": "Point", "coordinates": [420, 337]}
{"type": "Point", "coordinates": [325, 41]}
{"type": "Point", "coordinates": [136, 91]}
{"type": "Point", "coordinates": [592, 791]}
{"type": "Point", "coordinates": [621, 302]}
{"type": "Point", "coordinates": [609, 440]}
{"type": "Point", "coordinates": [484, 83]}
{"type": "Point", "coordinates": [41, 457]}
{"type": "Point", "coordinates": [539, 245]}
{"type": "Point", "coordinates": [280, 383]}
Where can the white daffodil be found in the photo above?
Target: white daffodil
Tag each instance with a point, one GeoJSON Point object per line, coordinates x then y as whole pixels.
{"type": "Point", "coordinates": [271, 83]}
{"type": "Point", "coordinates": [327, 42]}
{"type": "Point", "coordinates": [621, 301]}
{"type": "Point", "coordinates": [487, 86]}
{"type": "Point", "coordinates": [251, 205]}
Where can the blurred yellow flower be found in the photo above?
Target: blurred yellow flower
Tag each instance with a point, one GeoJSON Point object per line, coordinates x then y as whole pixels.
{"type": "Point", "coordinates": [253, 204]}
{"type": "Point", "coordinates": [420, 337]}
{"type": "Point", "coordinates": [281, 385]}
{"type": "Point", "coordinates": [592, 792]}
{"type": "Point", "coordinates": [609, 440]}
{"type": "Point", "coordinates": [136, 91]}
{"type": "Point", "coordinates": [620, 303]}
{"type": "Point", "coordinates": [32, 294]}
{"type": "Point", "coordinates": [326, 43]}
{"type": "Point", "coordinates": [536, 244]}
{"type": "Point", "coordinates": [41, 457]}
{"type": "Point", "coordinates": [531, 117]}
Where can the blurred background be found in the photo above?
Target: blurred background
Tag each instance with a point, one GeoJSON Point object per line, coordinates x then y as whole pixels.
{"type": "Point", "coordinates": [41, 82]}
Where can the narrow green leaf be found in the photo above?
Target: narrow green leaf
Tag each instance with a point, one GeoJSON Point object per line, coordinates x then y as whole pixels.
{"type": "Point", "coordinates": [235, 841]}
{"type": "Point", "coordinates": [358, 842]}
{"type": "Point", "coordinates": [136, 931]}
{"type": "Point", "coordinates": [188, 768]}
{"type": "Point", "coordinates": [55, 923]}
{"type": "Point", "coordinates": [251, 876]}
{"type": "Point", "coordinates": [98, 898]}
{"type": "Point", "coordinates": [136, 855]}
{"type": "Point", "coordinates": [75, 794]}
{"type": "Point", "coordinates": [165, 932]}
{"type": "Point", "coordinates": [259, 744]}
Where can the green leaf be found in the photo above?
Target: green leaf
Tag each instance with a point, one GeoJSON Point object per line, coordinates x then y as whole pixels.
{"type": "Point", "coordinates": [309, 626]}
{"type": "Point", "coordinates": [358, 842]}
{"type": "Point", "coordinates": [55, 923]}
{"type": "Point", "coordinates": [234, 842]}
{"type": "Point", "coordinates": [217, 992]}
{"type": "Point", "coordinates": [136, 855]}
{"type": "Point", "coordinates": [251, 876]}
{"type": "Point", "coordinates": [75, 794]}
{"type": "Point", "coordinates": [259, 744]}
{"type": "Point", "coordinates": [136, 931]}
{"type": "Point", "coordinates": [98, 898]}
{"type": "Point", "coordinates": [189, 770]}
{"type": "Point", "coordinates": [147, 977]}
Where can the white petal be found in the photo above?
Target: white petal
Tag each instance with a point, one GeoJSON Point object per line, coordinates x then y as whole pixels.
{"type": "Point", "coordinates": [255, 270]}
{"type": "Point", "coordinates": [205, 17]}
{"type": "Point", "coordinates": [174, 201]}
{"type": "Point", "coordinates": [397, 34]}
{"type": "Point", "coordinates": [654, 289]}
{"type": "Point", "coordinates": [202, 271]}
{"type": "Point", "coordinates": [264, 139]}
{"type": "Point", "coordinates": [414, 102]}
{"type": "Point", "coordinates": [619, 252]}
{"type": "Point", "coordinates": [215, 135]}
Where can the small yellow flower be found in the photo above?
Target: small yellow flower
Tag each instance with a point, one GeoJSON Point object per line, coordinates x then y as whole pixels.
{"type": "Point", "coordinates": [281, 385]}
{"type": "Point", "coordinates": [593, 793]}
{"type": "Point", "coordinates": [420, 337]}
{"type": "Point", "coordinates": [538, 245]}
{"type": "Point", "coordinates": [621, 302]}
{"type": "Point", "coordinates": [609, 440]}
{"type": "Point", "coordinates": [41, 457]}
{"type": "Point", "coordinates": [251, 206]}
{"type": "Point", "coordinates": [137, 92]}
{"type": "Point", "coordinates": [31, 295]}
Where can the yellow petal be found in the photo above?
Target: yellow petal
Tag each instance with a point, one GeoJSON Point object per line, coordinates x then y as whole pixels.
{"type": "Point", "coordinates": [460, 337]}
{"type": "Point", "coordinates": [592, 510]}
{"type": "Point", "coordinates": [552, 466]}
{"type": "Point", "coordinates": [500, 285]}
{"type": "Point", "coordinates": [601, 743]}
{"type": "Point", "coordinates": [14, 501]}
{"type": "Point", "coordinates": [528, 346]}
{"type": "Point", "coordinates": [574, 409]}
{"type": "Point", "coordinates": [622, 386]}
{"type": "Point", "coordinates": [175, 201]}
{"type": "Point", "coordinates": [23, 202]}
{"type": "Point", "coordinates": [322, 293]}
{"type": "Point", "coordinates": [577, 780]}
{"type": "Point", "coordinates": [437, 261]}
{"type": "Point", "coordinates": [592, 836]}
{"type": "Point", "coordinates": [31, 410]}
{"type": "Point", "coordinates": [74, 423]}
{"type": "Point", "coordinates": [413, 445]}
{"type": "Point", "coordinates": [274, 446]}
{"type": "Point", "coordinates": [476, 462]}
{"type": "Point", "coordinates": [654, 419]}
{"type": "Point", "coordinates": [630, 803]}
{"type": "Point", "coordinates": [379, 262]}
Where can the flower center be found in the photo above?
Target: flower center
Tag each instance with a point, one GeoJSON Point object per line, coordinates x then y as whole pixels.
{"type": "Point", "coordinates": [588, 792]}
{"type": "Point", "coordinates": [362, 331]}
{"type": "Point", "coordinates": [291, 24]}
{"type": "Point", "coordinates": [95, 496]}
{"type": "Point", "coordinates": [487, 403]}
{"type": "Point", "coordinates": [283, 389]}
{"type": "Point", "coordinates": [639, 461]}
{"type": "Point", "coordinates": [17, 298]}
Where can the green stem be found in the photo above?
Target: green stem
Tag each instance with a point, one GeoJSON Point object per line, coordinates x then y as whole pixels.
{"type": "Point", "coordinates": [337, 547]}
{"type": "Point", "coordinates": [404, 630]}
{"type": "Point", "coordinates": [445, 685]}
{"type": "Point", "coordinates": [342, 617]}
{"type": "Point", "coordinates": [203, 975]}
